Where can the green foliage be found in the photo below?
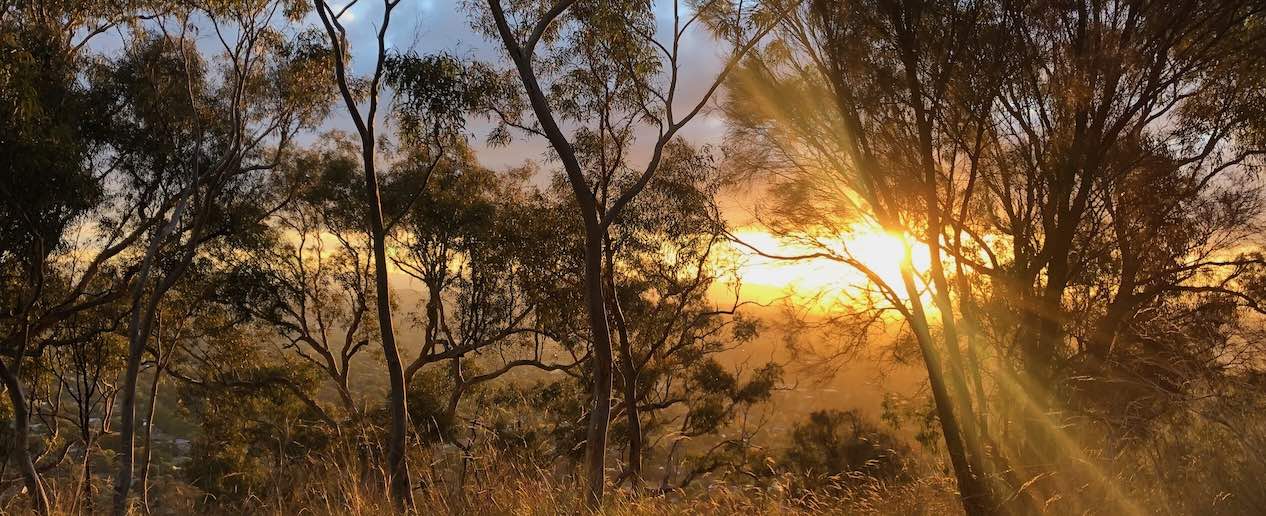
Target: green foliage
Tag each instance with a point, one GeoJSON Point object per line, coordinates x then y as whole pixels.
{"type": "Point", "coordinates": [435, 93]}
{"type": "Point", "coordinates": [49, 125]}
{"type": "Point", "coordinates": [713, 378]}
{"type": "Point", "coordinates": [428, 396]}
{"type": "Point", "coordinates": [843, 447]}
{"type": "Point", "coordinates": [918, 414]}
{"type": "Point", "coordinates": [538, 421]}
{"type": "Point", "coordinates": [251, 428]}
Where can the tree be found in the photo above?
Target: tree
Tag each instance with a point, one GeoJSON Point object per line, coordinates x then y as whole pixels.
{"type": "Point", "coordinates": [842, 444]}
{"type": "Point", "coordinates": [1027, 198]}
{"type": "Point", "coordinates": [53, 127]}
{"type": "Point", "coordinates": [888, 75]}
{"type": "Point", "coordinates": [430, 105]}
{"type": "Point", "coordinates": [663, 264]}
{"type": "Point", "coordinates": [255, 421]}
{"type": "Point", "coordinates": [466, 239]}
{"type": "Point", "coordinates": [1067, 179]}
{"type": "Point", "coordinates": [313, 284]}
{"type": "Point", "coordinates": [606, 61]}
{"type": "Point", "coordinates": [87, 375]}
{"type": "Point", "coordinates": [196, 310]}
{"type": "Point", "coordinates": [211, 142]}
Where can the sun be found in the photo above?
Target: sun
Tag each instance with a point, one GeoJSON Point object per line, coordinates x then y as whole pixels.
{"type": "Point", "coordinates": [827, 281]}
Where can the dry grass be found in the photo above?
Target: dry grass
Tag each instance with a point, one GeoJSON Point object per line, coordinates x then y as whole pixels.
{"type": "Point", "coordinates": [1198, 470]}
{"type": "Point", "coordinates": [497, 484]}
{"type": "Point", "coordinates": [528, 492]}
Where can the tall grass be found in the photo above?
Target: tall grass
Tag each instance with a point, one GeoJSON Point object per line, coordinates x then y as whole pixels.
{"type": "Point", "coordinates": [1193, 468]}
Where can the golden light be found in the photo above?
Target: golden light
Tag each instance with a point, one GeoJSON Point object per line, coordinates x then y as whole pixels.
{"type": "Point", "coordinates": [765, 279]}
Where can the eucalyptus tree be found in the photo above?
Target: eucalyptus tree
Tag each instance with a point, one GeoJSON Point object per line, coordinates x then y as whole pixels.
{"type": "Point", "coordinates": [431, 100]}
{"type": "Point", "coordinates": [198, 309]}
{"type": "Point", "coordinates": [1126, 175]}
{"type": "Point", "coordinates": [88, 375]}
{"type": "Point", "coordinates": [610, 71]}
{"type": "Point", "coordinates": [869, 147]}
{"type": "Point", "coordinates": [254, 412]}
{"type": "Point", "coordinates": [672, 318]}
{"type": "Point", "coordinates": [313, 283]}
{"type": "Point", "coordinates": [365, 122]}
{"type": "Point", "coordinates": [53, 187]}
{"type": "Point", "coordinates": [1122, 171]}
{"type": "Point", "coordinates": [259, 422]}
{"type": "Point", "coordinates": [467, 241]}
{"type": "Point", "coordinates": [209, 137]}
{"type": "Point", "coordinates": [665, 270]}
{"type": "Point", "coordinates": [1013, 143]}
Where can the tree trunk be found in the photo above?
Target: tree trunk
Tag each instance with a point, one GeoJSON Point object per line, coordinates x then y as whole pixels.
{"type": "Point", "coordinates": [595, 304]}
{"type": "Point", "coordinates": [971, 333]}
{"type": "Point", "coordinates": [398, 468]}
{"type": "Point", "coordinates": [148, 450]}
{"type": "Point", "coordinates": [632, 417]}
{"type": "Point", "coordinates": [21, 434]}
{"type": "Point", "coordinates": [1040, 420]}
{"type": "Point", "coordinates": [973, 434]}
{"type": "Point", "coordinates": [629, 371]}
{"type": "Point", "coordinates": [89, 506]}
{"type": "Point", "coordinates": [142, 324]}
{"type": "Point", "coordinates": [459, 388]}
{"type": "Point", "coordinates": [600, 415]}
{"type": "Point", "coordinates": [974, 497]}
{"type": "Point", "coordinates": [139, 331]}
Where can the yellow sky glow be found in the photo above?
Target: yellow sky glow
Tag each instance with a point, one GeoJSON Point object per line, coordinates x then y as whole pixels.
{"type": "Point", "coordinates": [767, 279]}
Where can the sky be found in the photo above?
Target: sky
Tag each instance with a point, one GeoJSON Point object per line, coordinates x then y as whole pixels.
{"type": "Point", "coordinates": [444, 26]}
{"type": "Point", "coordinates": [430, 26]}
{"type": "Point", "coordinates": [435, 26]}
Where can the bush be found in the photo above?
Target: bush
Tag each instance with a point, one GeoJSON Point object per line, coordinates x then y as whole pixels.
{"type": "Point", "coordinates": [841, 447]}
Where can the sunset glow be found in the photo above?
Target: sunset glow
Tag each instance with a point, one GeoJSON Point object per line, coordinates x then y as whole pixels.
{"type": "Point", "coordinates": [633, 257]}
{"type": "Point", "coordinates": [765, 279]}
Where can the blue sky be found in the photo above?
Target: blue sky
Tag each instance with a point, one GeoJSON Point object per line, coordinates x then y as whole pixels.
{"type": "Point", "coordinates": [429, 26]}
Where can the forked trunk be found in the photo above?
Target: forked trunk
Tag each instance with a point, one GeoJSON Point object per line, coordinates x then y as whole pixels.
{"type": "Point", "coordinates": [21, 434]}
{"type": "Point", "coordinates": [142, 323]}
{"type": "Point", "coordinates": [139, 329]}
{"type": "Point", "coordinates": [600, 415]}
{"type": "Point", "coordinates": [629, 371]}
{"type": "Point", "coordinates": [975, 498]}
